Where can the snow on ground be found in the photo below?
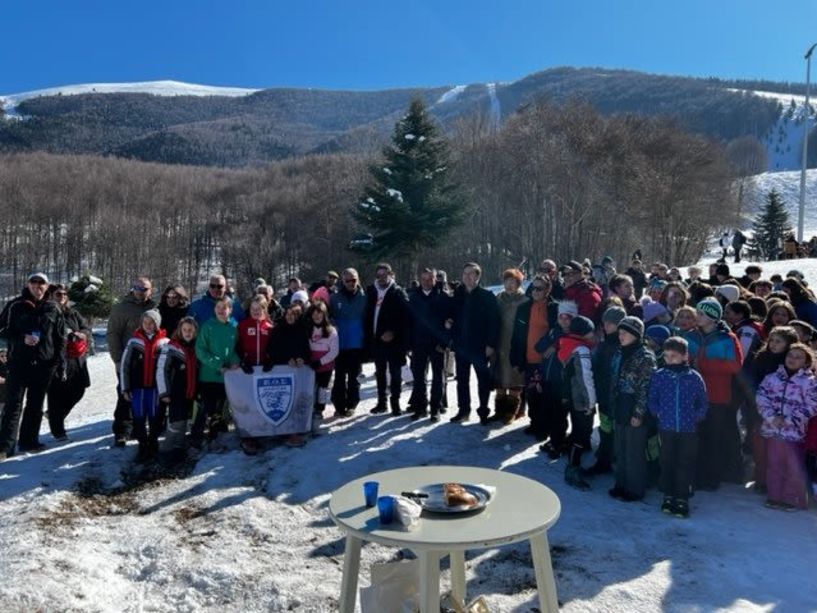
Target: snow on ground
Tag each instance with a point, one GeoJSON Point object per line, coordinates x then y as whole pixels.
{"type": "Point", "coordinates": [158, 88]}
{"type": "Point", "coordinates": [253, 533]}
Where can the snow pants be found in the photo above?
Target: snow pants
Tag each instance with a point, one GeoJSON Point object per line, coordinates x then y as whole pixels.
{"type": "Point", "coordinates": [786, 472]}
{"type": "Point", "coordinates": [679, 453]}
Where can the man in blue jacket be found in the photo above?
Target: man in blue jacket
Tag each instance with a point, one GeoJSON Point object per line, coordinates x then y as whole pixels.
{"type": "Point", "coordinates": [347, 309]}
{"type": "Point", "coordinates": [203, 309]}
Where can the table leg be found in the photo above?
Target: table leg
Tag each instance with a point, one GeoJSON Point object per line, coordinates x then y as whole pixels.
{"type": "Point", "coordinates": [351, 568]}
{"type": "Point", "coordinates": [543, 568]}
{"type": "Point", "coordinates": [457, 559]}
{"type": "Point", "coordinates": [429, 581]}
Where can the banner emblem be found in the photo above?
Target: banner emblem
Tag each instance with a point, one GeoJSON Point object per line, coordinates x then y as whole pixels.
{"type": "Point", "coordinates": [276, 396]}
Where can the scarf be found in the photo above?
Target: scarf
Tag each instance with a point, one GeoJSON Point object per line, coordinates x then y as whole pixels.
{"type": "Point", "coordinates": [191, 366]}
{"type": "Point", "coordinates": [149, 369]}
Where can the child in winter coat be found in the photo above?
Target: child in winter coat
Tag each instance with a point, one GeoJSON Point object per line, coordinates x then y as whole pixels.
{"type": "Point", "coordinates": [551, 369]}
{"type": "Point", "coordinates": [767, 360]}
{"type": "Point", "coordinates": [632, 369]}
{"type": "Point", "coordinates": [787, 400]}
{"type": "Point", "coordinates": [579, 393]}
{"type": "Point", "coordinates": [138, 383]}
{"type": "Point", "coordinates": [177, 382]}
{"type": "Point", "coordinates": [323, 348]}
{"type": "Point", "coordinates": [253, 335]}
{"type": "Point", "coordinates": [215, 349]}
{"type": "Point", "coordinates": [677, 399]}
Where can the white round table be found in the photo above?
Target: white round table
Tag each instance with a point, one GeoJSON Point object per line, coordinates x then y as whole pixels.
{"type": "Point", "coordinates": [521, 509]}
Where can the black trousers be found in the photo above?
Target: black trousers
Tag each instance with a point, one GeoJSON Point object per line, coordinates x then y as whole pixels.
{"type": "Point", "coordinates": [581, 427]}
{"type": "Point", "coordinates": [210, 410]}
{"type": "Point", "coordinates": [556, 415]}
{"type": "Point", "coordinates": [631, 458]}
{"type": "Point", "coordinates": [322, 380]}
{"type": "Point", "coordinates": [122, 416]}
{"type": "Point", "coordinates": [29, 381]}
{"type": "Point", "coordinates": [719, 456]}
{"type": "Point", "coordinates": [484, 383]}
{"type": "Point", "coordinates": [346, 389]}
{"type": "Point", "coordinates": [679, 454]}
{"type": "Point", "coordinates": [388, 356]}
{"type": "Point", "coordinates": [62, 397]}
{"type": "Point", "coordinates": [422, 358]}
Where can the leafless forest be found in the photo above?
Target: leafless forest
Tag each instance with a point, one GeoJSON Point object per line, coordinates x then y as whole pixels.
{"type": "Point", "coordinates": [558, 181]}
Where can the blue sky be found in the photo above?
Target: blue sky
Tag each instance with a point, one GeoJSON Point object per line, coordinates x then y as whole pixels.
{"type": "Point", "coordinates": [368, 44]}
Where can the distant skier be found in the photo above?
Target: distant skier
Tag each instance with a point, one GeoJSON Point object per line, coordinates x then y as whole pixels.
{"type": "Point", "coordinates": [738, 241]}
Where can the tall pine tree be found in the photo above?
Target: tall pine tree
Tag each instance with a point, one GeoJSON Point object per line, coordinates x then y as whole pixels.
{"type": "Point", "coordinates": [411, 204]}
{"type": "Point", "coordinates": [770, 227]}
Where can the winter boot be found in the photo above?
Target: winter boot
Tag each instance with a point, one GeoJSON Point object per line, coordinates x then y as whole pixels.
{"type": "Point", "coordinates": [395, 406]}
{"type": "Point", "coordinates": [667, 505]}
{"type": "Point", "coordinates": [143, 454]}
{"type": "Point", "coordinates": [380, 407]}
{"type": "Point", "coordinates": [573, 474]}
{"type": "Point", "coordinates": [506, 407]}
{"type": "Point", "coordinates": [680, 508]}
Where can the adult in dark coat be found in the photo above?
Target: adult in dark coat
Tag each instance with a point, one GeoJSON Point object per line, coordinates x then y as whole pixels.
{"type": "Point", "coordinates": [639, 277]}
{"type": "Point", "coordinates": [173, 307]}
{"type": "Point", "coordinates": [347, 308]}
{"type": "Point", "coordinates": [430, 308]}
{"type": "Point", "coordinates": [476, 332]}
{"type": "Point", "coordinates": [35, 330]}
{"type": "Point", "coordinates": [125, 319]}
{"type": "Point", "coordinates": [63, 395]}
{"type": "Point", "coordinates": [387, 327]}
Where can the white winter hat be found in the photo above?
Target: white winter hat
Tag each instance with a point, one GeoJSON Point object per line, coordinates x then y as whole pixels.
{"type": "Point", "coordinates": [730, 292]}
{"type": "Point", "coordinates": [300, 296]}
{"type": "Point", "coordinates": [567, 307]}
{"type": "Point", "coordinates": [38, 275]}
{"type": "Point", "coordinates": [154, 315]}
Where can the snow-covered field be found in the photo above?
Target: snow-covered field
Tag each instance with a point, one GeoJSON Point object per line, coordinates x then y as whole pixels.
{"type": "Point", "coordinates": [253, 533]}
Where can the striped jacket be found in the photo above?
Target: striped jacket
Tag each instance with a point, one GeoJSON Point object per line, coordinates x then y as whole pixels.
{"type": "Point", "coordinates": [139, 359]}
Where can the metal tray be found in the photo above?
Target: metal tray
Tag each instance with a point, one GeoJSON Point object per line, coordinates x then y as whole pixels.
{"type": "Point", "coordinates": [435, 500]}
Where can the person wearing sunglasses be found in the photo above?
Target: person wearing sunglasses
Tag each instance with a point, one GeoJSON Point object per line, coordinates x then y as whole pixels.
{"type": "Point", "coordinates": [347, 308]}
{"type": "Point", "coordinates": [125, 319]}
{"type": "Point", "coordinates": [35, 330]}
{"type": "Point", "coordinates": [203, 309]}
{"type": "Point", "coordinates": [65, 393]}
{"type": "Point", "coordinates": [173, 307]}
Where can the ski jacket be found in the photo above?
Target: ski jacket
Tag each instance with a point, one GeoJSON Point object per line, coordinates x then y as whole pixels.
{"type": "Point", "coordinates": [677, 398]}
{"type": "Point", "coordinates": [323, 349]}
{"type": "Point", "coordinates": [347, 310]}
{"type": "Point", "coordinates": [587, 295]}
{"type": "Point", "coordinates": [790, 396]}
{"type": "Point", "coordinates": [24, 315]}
{"type": "Point", "coordinates": [203, 309]}
{"type": "Point", "coordinates": [177, 371]}
{"type": "Point", "coordinates": [632, 370]}
{"type": "Point", "coordinates": [718, 357]}
{"type": "Point", "coordinates": [139, 360]}
{"type": "Point", "coordinates": [579, 387]}
{"type": "Point", "coordinates": [253, 338]}
{"type": "Point", "coordinates": [215, 349]}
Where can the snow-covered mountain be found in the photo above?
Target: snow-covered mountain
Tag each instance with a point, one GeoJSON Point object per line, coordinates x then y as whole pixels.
{"type": "Point", "coordinates": [787, 185]}
{"type": "Point", "coordinates": [784, 140]}
{"type": "Point", "coordinates": [9, 102]}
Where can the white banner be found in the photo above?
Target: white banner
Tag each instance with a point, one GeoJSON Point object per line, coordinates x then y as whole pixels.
{"type": "Point", "coordinates": [271, 403]}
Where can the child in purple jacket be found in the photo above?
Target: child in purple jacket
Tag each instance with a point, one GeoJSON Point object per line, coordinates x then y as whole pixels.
{"type": "Point", "coordinates": [786, 400]}
{"type": "Point", "coordinates": [677, 399]}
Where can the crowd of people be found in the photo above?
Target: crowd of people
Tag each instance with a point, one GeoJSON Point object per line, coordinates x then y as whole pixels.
{"type": "Point", "coordinates": [693, 380]}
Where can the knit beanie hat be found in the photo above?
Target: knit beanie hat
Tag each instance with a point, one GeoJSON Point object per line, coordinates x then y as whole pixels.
{"type": "Point", "coordinates": [730, 292]}
{"type": "Point", "coordinates": [566, 307]}
{"type": "Point", "coordinates": [657, 333]}
{"type": "Point", "coordinates": [154, 315]}
{"type": "Point", "coordinates": [711, 308]}
{"type": "Point", "coordinates": [633, 325]}
{"type": "Point", "coordinates": [657, 283]}
{"type": "Point", "coordinates": [613, 315]}
{"type": "Point", "coordinates": [581, 326]}
{"type": "Point", "coordinates": [722, 270]}
{"type": "Point", "coordinates": [653, 310]}
{"type": "Point", "coordinates": [300, 296]}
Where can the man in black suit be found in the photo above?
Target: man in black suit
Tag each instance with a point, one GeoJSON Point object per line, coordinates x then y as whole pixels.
{"type": "Point", "coordinates": [476, 330]}
{"type": "Point", "coordinates": [386, 325]}
{"type": "Point", "coordinates": [430, 307]}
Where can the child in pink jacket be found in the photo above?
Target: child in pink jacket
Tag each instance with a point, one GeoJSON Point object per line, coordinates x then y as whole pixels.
{"type": "Point", "coordinates": [786, 400]}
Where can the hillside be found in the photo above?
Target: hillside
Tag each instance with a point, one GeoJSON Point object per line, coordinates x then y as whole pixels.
{"type": "Point", "coordinates": [182, 123]}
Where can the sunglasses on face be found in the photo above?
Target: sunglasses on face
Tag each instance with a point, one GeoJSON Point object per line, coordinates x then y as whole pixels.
{"type": "Point", "coordinates": [350, 280]}
{"type": "Point", "coordinates": [538, 288]}
{"type": "Point", "coordinates": [140, 288]}
{"type": "Point", "coordinates": [172, 297]}
{"type": "Point", "coordinates": [60, 294]}
{"type": "Point", "coordinates": [216, 286]}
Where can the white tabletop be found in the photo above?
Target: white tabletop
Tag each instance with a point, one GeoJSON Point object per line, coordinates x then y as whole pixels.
{"type": "Point", "coordinates": [519, 509]}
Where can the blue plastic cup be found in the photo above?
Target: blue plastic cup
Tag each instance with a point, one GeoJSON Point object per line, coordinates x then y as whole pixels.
{"type": "Point", "coordinates": [370, 493]}
{"type": "Point", "coordinates": [385, 505]}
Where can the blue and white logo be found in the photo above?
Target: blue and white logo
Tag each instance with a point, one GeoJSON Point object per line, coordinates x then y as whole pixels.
{"type": "Point", "coordinates": [276, 396]}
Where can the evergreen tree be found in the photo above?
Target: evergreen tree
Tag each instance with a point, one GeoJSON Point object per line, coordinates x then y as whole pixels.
{"type": "Point", "coordinates": [411, 204]}
{"type": "Point", "coordinates": [91, 296]}
{"type": "Point", "coordinates": [769, 228]}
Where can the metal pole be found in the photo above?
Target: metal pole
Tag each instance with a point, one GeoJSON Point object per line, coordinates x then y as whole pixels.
{"type": "Point", "coordinates": [802, 211]}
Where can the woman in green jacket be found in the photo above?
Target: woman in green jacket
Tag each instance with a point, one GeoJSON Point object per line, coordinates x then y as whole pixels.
{"type": "Point", "coordinates": [215, 350]}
